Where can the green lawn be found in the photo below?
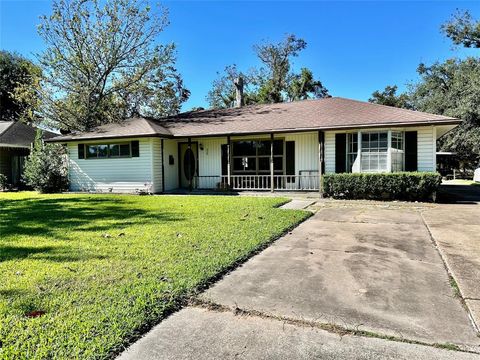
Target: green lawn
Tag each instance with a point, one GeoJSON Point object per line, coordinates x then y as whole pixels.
{"type": "Point", "coordinates": [103, 268]}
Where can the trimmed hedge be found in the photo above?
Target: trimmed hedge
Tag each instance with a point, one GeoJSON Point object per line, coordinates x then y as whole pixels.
{"type": "Point", "coordinates": [384, 186]}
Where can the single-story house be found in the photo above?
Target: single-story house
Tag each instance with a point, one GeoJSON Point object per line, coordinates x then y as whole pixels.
{"type": "Point", "coordinates": [16, 139]}
{"type": "Point", "coordinates": [283, 146]}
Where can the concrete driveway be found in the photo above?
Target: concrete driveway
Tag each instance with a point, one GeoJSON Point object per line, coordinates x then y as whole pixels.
{"type": "Point", "coordinates": [361, 268]}
{"type": "Point", "coordinates": [353, 268]}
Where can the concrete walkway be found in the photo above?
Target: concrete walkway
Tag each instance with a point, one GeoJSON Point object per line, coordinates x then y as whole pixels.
{"type": "Point", "coordinates": [353, 269]}
{"type": "Point", "coordinates": [201, 334]}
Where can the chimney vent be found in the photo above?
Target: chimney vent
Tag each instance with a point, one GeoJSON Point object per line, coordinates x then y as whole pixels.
{"type": "Point", "coordinates": [239, 92]}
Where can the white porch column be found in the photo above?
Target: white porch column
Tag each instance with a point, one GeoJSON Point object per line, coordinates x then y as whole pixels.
{"type": "Point", "coordinates": [389, 151]}
{"type": "Point", "coordinates": [359, 152]}
{"type": "Point", "coordinates": [272, 187]}
{"type": "Point", "coordinates": [321, 142]}
{"type": "Point", "coordinates": [229, 170]}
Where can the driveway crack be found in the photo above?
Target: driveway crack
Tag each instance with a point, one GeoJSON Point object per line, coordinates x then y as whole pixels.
{"type": "Point", "coordinates": [452, 280]}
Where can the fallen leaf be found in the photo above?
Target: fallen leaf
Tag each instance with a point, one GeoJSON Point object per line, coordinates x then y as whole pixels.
{"type": "Point", "coordinates": [35, 313]}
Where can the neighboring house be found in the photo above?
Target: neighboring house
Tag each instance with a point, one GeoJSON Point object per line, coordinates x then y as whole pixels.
{"type": "Point", "coordinates": [16, 139]}
{"type": "Point", "coordinates": [261, 147]}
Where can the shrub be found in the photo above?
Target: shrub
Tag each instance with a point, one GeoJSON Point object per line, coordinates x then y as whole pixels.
{"type": "Point", "coordinates": [46, 167]}
{"type": "Point", "coordinates": [385, 186]}
{"type": "Point", "coordinates": [3, 182]}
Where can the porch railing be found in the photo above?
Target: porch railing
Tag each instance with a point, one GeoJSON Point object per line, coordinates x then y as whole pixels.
{"type": "Point", "coordinates": [302, 182]}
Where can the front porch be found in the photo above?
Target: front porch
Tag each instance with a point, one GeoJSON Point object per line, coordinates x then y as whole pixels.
{"type": "Point", "coordinates": [268, 162]}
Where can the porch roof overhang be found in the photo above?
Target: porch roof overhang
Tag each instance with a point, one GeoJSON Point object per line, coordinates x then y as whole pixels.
{"type": "Point", "coordinates": [300, 116]}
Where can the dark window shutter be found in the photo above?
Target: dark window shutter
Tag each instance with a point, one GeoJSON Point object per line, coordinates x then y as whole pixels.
{"type": "Point", "coordinates": [290, 158]}
{"type": "Point", "coordinates": [340, 152]}
{"type": "Point", "coordinates": [224, 159]}
{"type": "Point", "coordinates": [135, 148]}
{"type": "Point", "coordinates": [411, 145]}
{"type": "Point", "coordinates": [81, 151]}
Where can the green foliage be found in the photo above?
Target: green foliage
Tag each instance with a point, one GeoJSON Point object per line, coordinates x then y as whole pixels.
{"type": "Point", "coordinates": [386, 186]}
{"type": "Point", "coordinates": [3, 181]}
{"type": "Point", "coordinates": [19, 85]}
{"type": "Point", "coordinates": [105, 268]}
{"type": "Point", "coordinates": [389, 97]}
{"type": "Point", "coordinates": [102, 63]}
{"type": "Point", "coordinates": [303, 86]}
{"type": "Point", "coordinates": [270, 82]}
{"type": "Point", "coordinates": [452, 88]}
{"type": "Point", "coordinates": [462, 29]}
{"type": "Point", "coordinates": [222, 95]}
{"type": "Point", "coordinates": [277, 60]}
{"type": "Point", "coordinates": [46, 167]}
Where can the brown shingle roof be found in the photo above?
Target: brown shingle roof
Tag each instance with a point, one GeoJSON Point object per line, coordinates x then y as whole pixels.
{"type": "Point", "coordinates": [322, 114]}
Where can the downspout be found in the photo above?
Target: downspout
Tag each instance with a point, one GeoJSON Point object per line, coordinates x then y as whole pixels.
{"type": "Point", "coordinates": [163, 166]}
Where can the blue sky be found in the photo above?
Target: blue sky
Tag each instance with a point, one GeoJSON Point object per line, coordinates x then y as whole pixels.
{"type": "Point", "coordinates": [354, 48]}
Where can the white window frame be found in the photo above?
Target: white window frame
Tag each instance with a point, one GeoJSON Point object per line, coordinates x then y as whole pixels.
{"type": "Point", "coordinates": [380, 153]}
{"type": "Point", "coordinates": [389, 152]}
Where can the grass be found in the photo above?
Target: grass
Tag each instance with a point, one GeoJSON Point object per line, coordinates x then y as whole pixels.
{"type": "Point", "coordinates": [82, 275]}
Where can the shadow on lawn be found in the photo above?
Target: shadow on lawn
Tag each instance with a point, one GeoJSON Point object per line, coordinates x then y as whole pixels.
{"type": "Point", "coordinates": [47, 217]}
{"type": "Point", "coordinates": [50, 253]}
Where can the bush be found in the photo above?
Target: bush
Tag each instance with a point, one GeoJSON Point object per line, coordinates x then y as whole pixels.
{"type": "Point", "coordinates": [46, 167]}
{"type": "Point", "coordinates": [385, 186]}
{"type": "Point", "coordinates": [3, 182]}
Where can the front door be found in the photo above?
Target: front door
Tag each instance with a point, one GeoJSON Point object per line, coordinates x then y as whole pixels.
{"type": "Point", "coordinates": [188, 164]}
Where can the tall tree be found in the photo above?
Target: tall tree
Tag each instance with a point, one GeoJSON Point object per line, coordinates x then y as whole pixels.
{"type": "Point", "coordinates": [303, 86]}
{"type": "Point", "coordinates": [19, 85]}
{"type": "Point", "coordinates": [462, 29]}
{"type": "Point", "coordinates": [102, 63]}
{"type": "Point", "coordinates": [389, 97]}
{"type": "Point", "coordinates": [222, 93]}
{"type": "Point", "coordinates": [452, 88]}
{"type": "Point", "coordinates": [276, 58]}
{"type": "Point", "coordinates": [272, 80]}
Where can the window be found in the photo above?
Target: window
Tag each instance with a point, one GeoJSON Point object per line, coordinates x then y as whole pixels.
{"type": "Point", "coordinates": [352, 150]}
{"type": "Point", "coordinates": [253, 156]}
{"type": "Point", "coordinates": [100, 151]}
{"type": "Point", "coordinates": [374, 152]}
{"type": "Point", "coordinates": [397, 151]}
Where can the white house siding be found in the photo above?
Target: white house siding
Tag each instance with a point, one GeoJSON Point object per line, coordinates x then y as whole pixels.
{"type": "Point", "coordinates": [156, 148]}
{"type": "Point", "coordinates": [426, 150]}
{"type": "Point", "coordinates": [112, 174]}
{"type": "Point", "coordinates": [329, 152]}
{"type": "Point", "coordinates": [170, 148]}
{"type": "Point", "coordinates": [210, 161]}
{"type": "Point", "coordinates": [306, 151]}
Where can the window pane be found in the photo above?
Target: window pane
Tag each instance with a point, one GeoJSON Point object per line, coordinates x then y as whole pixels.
{"type": "Point", "coordinates": [263, 147]}
{"type": "Point", "coordinates": [244, 164]}
{"type": "Point", "coordinates": [102, 151]}
{"type": "Point", "coordinates": [125, 150]}
{"type": "Point", "coordinates": [264, 164]}
{"type": "Point", "coordinates": [243, 148]}
{"type": "Point", "coordinates": [365, 141]}
{"type": "Point", "coordinates": [91, 151]}
{"type": "Point", "coordinates": [114, 150]}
